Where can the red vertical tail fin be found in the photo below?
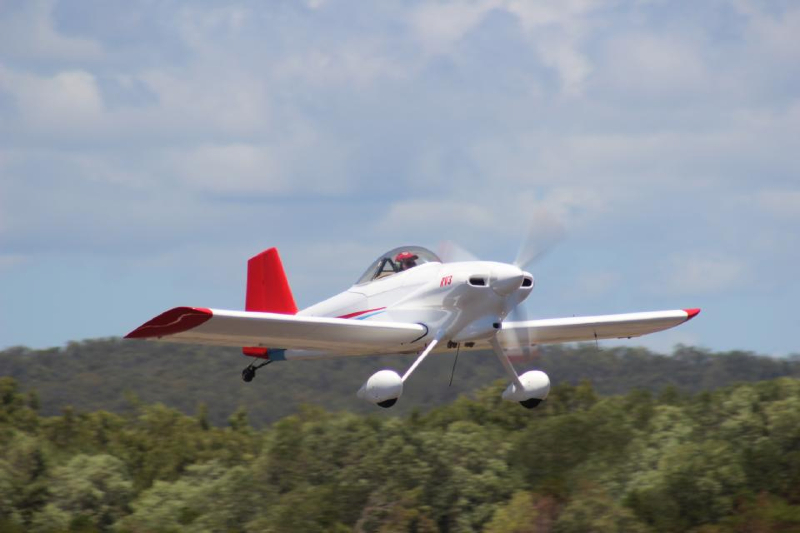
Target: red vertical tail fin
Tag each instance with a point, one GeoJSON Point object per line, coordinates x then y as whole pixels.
{"type": "Point", "coordinates": [267, 290]}
{"type": "Point", "coordinates": [267, 287]}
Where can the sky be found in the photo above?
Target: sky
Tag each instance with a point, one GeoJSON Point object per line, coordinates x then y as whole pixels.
{"type": "Point", "coordinates": [149, 147]}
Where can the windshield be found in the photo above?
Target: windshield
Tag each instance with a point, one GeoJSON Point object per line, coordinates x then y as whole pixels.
{"type": "Point", "coordinates": [397, 260]}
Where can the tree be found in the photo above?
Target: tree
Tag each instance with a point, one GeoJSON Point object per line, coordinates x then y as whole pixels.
{"type": "Point", "coordinates": [93, 489]}
{"type": "Point", "coordinates": [695, 484]}
{"type": "Point", "coordinates": [519, 515]}
{"type": "Point", "coordinates": [25, 471]}
{"type": "Point", "coordinates": [209, 497]}
{"type": "Point", "coordinates": [591, 509]}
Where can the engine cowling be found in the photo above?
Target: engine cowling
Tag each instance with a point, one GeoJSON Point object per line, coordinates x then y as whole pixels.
{"type": "Point", "coordinates": [382, 388]}
{"type": "Point", "coordinates": [535, 388]}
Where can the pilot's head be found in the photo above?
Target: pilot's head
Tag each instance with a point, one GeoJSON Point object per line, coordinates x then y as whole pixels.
{"type": "Point", "coordinates": [406, 260]}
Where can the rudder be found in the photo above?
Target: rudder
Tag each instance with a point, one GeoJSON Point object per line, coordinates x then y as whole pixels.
{"type": "Point", "coordinates": [267, 290]}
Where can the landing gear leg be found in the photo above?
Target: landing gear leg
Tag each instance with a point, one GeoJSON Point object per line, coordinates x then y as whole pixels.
{"type": "Point", "coordinates": [250, 370]}
{"type": "Point", "coordinates": [501, 355]}
{"type": "Point", "coordinates": [528, 403]}
{"type": "Point", "coordinates": [428, 349]}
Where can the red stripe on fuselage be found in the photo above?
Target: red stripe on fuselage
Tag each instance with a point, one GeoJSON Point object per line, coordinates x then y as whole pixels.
{"type": "Point", "coordinates": [359, 313]}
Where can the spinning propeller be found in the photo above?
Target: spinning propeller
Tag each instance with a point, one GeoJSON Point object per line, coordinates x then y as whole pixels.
{"type": "Point", "coordinates": [543, 234]}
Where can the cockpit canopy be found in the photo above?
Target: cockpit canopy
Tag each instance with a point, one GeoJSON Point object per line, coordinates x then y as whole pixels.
{"type": "Point", "coordinates": [397, 260]}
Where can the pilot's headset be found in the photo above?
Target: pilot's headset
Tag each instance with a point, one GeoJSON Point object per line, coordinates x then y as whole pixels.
{"type": "Point", "coordinates": [406, 260]}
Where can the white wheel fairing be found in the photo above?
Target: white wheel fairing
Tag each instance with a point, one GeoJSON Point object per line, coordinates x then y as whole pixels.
{"type": "Point", "coordinates": [535, 383]}
{"type": "Point", "coordinates": [382, 386]}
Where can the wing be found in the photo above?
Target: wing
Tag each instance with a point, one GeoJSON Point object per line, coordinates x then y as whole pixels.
{"type": "Point", "coordinates": [245, 328]}
{"type": "Point", "coordinates": [589, 328]}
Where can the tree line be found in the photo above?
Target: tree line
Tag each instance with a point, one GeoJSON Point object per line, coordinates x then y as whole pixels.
{"type": "Point", "coordinates": [726, 460]}
{"type": "Point", "coordinates": [114, 375]}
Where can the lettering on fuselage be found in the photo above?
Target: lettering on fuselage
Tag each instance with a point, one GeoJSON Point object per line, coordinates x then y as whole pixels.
{"type": "Point", "coordinates": [447, 280]}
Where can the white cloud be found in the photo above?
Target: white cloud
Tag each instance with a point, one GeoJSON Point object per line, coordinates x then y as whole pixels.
{"type": "Point", "coordinates": [316, 4]}
{"type": "Point", "coordinates": [320, 271]}
{"type": "Point", "coordinates": [230, 168]}
{"type": "Point", "coordinates": [69, 106]}
{"type": "Point", "coordinates": [782, 203]}
{"type": "Point", "coordinates": [438, 217]}
{"type": "Point", "coordinates": [590, 285]}
{"type": "Point", "coordinates": [29, 33]}
{"type": "Point", "coordinates": [177, 125]}
{"type": "Point", "coordinates": [655, 66]}
{"type": "Point", "coordinates": [352, 65]}
{"type": "Point", "coordinates": [777, 33]}
{"type": "Point", "coordinates": [64, 102]}
{"type": "Point", "coordinates": [579, 206]}
{"type": "Point", "coordinates": [492, 220]}
{"type": "Point", "coordinates": [539, 13]}
{"type": "Point", "coordinates": [440, 25]}
{"type": "Point", "coordinates": [303, 162]}
{"type": "Point", "coordinates": [228, 100]}
{"type": "Point", "coordinates": [702, 273]}
{"type": "Point", "coordinates": [555, 30]}
{"type": "Point", "coordinates": [195, 24]}
{"type": "Point", "coordinates": [572, 66]}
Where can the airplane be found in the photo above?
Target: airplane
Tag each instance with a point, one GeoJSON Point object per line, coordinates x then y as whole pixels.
{"type": "Point", "coordinates": [409, 301]}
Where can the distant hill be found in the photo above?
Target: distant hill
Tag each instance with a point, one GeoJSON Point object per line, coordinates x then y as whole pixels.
{"type": "Point", "coordinates": [113, 374]}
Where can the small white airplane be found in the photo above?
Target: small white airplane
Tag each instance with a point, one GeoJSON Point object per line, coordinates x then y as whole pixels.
{"type": "Point", "coordinates": [408, 301]}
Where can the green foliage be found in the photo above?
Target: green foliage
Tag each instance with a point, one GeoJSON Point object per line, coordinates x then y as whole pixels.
{"type": "Point", "coordinates": [119, 375]}
{"type": "Point", "coordinates": [592, 509]}
{"type": "Point", "coordinates": [724, 460]}
{"type": "Point", "coordinates": [519, 515]}
{"type": "Point", "coordinates": [208, 497]}
{"type": "Point", "coordinates": [90, 491]}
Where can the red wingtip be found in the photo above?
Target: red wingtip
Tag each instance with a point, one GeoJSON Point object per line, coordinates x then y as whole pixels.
{"type": "Point", "coordinates": [692, 313]}
{"type": "Point", "coordinates": [171, 322]}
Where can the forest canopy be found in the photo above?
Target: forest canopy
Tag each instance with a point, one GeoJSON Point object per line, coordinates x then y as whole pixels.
{"type": "Point", "coordinates": [115, 375]}
{"type": "Point", "coordinates": [119, 436]}
{"type": "Point", "coordinates": [721, 461]}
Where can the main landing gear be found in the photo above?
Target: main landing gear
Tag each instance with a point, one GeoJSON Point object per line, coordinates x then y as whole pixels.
{"type": "Point", "coordinates": [384, 387]}
{"type": "Point", "coordinates": [250, 370]}
{"type": "Point", "coordinates": [530, 403]}
{"type": "Point", "coordinates": [529, 389]}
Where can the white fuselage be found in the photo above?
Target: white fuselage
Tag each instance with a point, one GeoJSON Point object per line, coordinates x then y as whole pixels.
{"type": "Point", "coordinates": [460, 302]}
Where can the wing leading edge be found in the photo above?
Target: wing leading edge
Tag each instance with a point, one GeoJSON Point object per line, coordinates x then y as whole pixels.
{"type": "Point", "coordinates": [245, 328]}
{"type": "Point", "coordinates": [589, 328]}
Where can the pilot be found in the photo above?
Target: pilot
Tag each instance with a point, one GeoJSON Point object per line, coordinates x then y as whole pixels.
{"type": "Point", "coordinates": [406, 260]}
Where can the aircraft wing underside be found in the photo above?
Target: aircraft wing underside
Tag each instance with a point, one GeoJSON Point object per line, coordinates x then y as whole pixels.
{"type": "Point", "coordinates": [589, 328]}
{"type": "Point", "coordinates": [343, 336]}
{"type": "Point", "coordinates": [246, 328]}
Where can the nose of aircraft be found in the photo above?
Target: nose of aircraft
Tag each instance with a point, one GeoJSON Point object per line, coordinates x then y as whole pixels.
{"type": "Point", "coordinates": [506, 279]}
